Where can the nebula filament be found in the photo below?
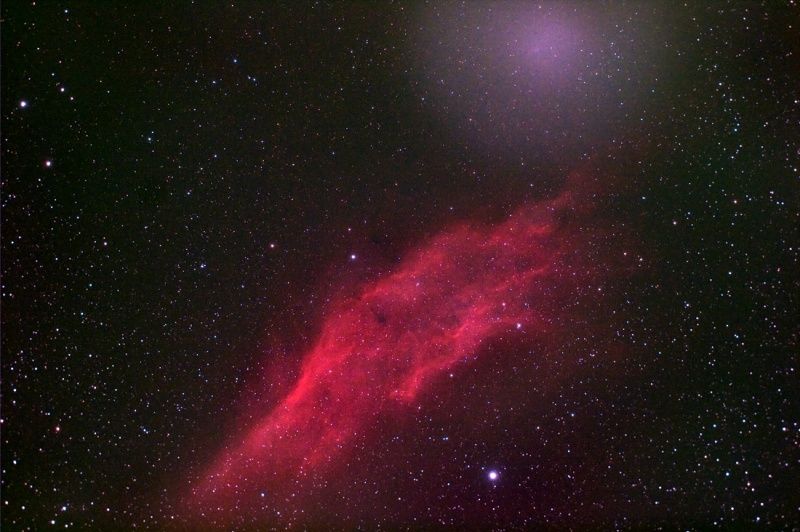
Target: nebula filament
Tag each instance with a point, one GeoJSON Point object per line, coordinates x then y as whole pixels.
{"type": "Point", "coordinates": [382, 347]}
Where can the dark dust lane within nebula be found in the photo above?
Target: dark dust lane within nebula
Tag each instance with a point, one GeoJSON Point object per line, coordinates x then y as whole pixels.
{"type": "Point", "coordinates": [381, 348]}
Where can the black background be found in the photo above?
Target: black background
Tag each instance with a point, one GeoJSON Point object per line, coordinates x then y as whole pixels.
{"type": "Point", "coordinates": [214, 166]}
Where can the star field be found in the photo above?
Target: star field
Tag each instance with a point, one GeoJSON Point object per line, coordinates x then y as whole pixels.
{"type": "Point", "coordinates": [411, 266]}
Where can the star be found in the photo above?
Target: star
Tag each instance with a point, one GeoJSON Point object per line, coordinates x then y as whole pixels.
{"type": "Point", "coordinates": [493, 475]}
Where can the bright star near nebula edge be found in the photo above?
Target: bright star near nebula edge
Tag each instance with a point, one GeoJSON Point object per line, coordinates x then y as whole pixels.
{"type": "Point", "coordinates": [436, 265]}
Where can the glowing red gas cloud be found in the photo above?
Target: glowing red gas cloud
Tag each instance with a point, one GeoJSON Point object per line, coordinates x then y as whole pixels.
{"type": "Point", "coordinates": [382, 348]}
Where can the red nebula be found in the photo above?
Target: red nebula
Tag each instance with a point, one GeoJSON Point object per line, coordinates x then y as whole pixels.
{"type": "Point", "coordinates": [381, 348]}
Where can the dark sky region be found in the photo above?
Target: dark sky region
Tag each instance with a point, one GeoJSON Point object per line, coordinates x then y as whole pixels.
{"type": "Point", "coordinates": [407, 265]}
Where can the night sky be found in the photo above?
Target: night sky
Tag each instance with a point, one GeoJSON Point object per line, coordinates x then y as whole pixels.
{"type": "Point", "coordinates": [402, 265]}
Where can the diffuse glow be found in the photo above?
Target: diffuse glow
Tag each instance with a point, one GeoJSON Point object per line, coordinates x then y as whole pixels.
{"type": "Point", "coordinates": [394, 338]}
